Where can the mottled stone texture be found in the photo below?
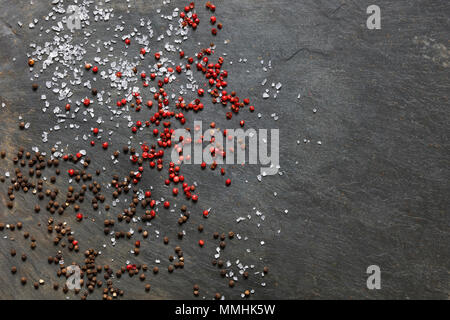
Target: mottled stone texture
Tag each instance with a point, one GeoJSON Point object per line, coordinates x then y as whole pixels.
{"type": "Point", "coordinates": [375, 192]}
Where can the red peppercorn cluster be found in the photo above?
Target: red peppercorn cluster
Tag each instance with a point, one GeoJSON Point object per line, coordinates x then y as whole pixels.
{"type": "Point", "coordinates": [189, 17]}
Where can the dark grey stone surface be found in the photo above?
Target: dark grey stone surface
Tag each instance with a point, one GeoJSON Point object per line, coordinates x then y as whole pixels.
{"type": "Point", "coordinates": [374, 192]}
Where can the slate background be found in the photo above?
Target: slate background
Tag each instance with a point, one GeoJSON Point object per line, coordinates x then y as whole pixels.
{"type": "Point", "coordinates": [375, 191]}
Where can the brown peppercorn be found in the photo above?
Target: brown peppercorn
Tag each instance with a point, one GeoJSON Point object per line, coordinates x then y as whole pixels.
{"type": "Point", "coordinates": [147, 287]}
{"type": "Point", "coordinates": [200, 227]}
{"type": "Point", "coordinates": [142, 277]}
{"type": "Point", "coordinates": [155, 270]}
{"type": "Point", "coordinates": [231, 283]}
{"type": "Point", "coordinates": [13, 270]}
{"type": "Point", "coordinates": [217, 296]}
{"type": "Point", "coordinates": [13, 252]}
{"type": "Point", "coordinates": [23, 280]}
{"type": "Point", "coordinates": [170, 268]}
{"type": "Point", "coordinates": [266, 269]}
{"type": "Point", "coordinates": [247, 293]}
